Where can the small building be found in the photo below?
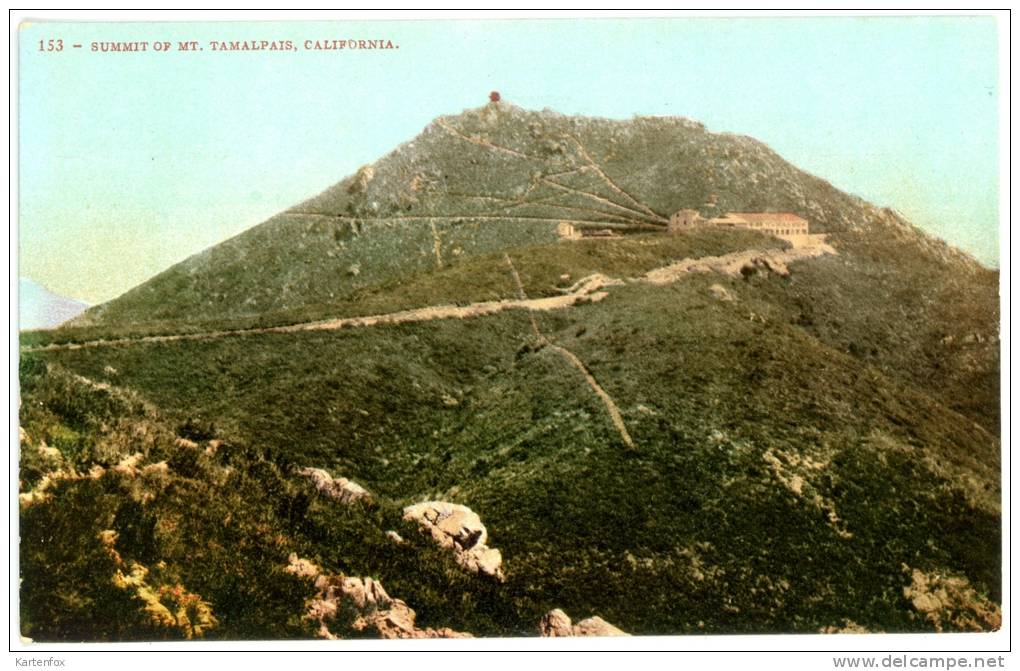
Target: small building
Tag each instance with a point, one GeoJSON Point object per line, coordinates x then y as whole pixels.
{"type": "Point", "coordinates": [567, 231]}
{"type": "Point", "coordinates": [684, 219]}
{"type": "Point", "coordinates": [730, 220]}
{"type": "Point", "coordinates": [774, 223]}
{"type": "Point", "coordinates": [783, 224]}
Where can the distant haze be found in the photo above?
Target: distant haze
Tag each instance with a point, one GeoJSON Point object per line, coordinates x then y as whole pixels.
{"type": "Point", "coordinates": [40, 308]}
{"type": "Point", "coordinates": [132, 162]}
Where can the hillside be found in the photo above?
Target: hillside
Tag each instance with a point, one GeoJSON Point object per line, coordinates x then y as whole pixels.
{"type": "Point", "coordinates": [708, 432]}
{"type": "Point", "coordinates": [498, 177]}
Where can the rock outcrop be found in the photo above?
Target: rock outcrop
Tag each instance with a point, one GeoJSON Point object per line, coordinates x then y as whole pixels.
{"type": "Point", "coordinates": [142, 483]}
{"type": "Point", "coordinates": [556, 623]}
{"type": "Point", "coordinates": [763, 264]}
{"type": "Point", "coordinates": [373, 610]}
{"type": "Point", "coordinates": [737, 264]}
{"type": "Point", "coordinates": [340, 489]}
{"type": "Point", "coordinates": [950, 602]}
{"type": "Point", "coordinates": [460, 529]}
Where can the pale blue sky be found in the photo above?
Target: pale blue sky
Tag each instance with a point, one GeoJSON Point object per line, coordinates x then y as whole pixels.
{"type": "Point", "coordinates": [132, 162]}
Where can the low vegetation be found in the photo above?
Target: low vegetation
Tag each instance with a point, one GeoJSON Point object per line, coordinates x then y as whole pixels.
{"type": "Point", "coordinates": [757, 441]}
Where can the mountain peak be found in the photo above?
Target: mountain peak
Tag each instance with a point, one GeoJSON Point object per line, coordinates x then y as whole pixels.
{"type": "Point", "coordinates": [497, 176]}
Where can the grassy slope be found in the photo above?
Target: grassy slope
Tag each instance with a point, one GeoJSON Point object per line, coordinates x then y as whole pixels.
{"type": "Point", "coordinates": [693, 532]}
{"type": "Point", "coordinates": [917, 321]}
{"type": "Point", "coordinates": [480, 278]}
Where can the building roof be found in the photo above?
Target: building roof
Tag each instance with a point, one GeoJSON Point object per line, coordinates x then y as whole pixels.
{"type": "Point", "coordinates": [729, 218]}
{"type": "Point", "coordinates": [784, 217]}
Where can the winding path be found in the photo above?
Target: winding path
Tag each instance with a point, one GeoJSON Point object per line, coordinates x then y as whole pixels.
{"type": "Point", "coordinates": [586, 290]}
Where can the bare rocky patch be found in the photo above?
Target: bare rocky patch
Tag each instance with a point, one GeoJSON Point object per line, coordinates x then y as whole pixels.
{"type": "Point", "coordinates": [360, 604]}
{"type": "Point", "coordinates": [950, 602]}
{"type": "Point", "coordinates": [338, 489]}
{"type": "Point", "coordinates": [556, 624]}
{"type": "Point", "coordinates": [797, 472]}
{"type": "Point", "coordinates": [459, 529]}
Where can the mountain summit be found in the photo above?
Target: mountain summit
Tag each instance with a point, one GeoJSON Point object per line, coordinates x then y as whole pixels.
{"type": "Point", "coordinates": [491, 178]}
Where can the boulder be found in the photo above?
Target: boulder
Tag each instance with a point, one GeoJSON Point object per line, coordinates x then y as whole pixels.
{"type": "Point", "coordinates": [365, 598]}
{"type": "Point", "coordinates": [302, 568]}
{"type": "Point", "coordinates": [596, 626]}
{"type": "Point", "coordinates": [340, 489]}
{"type": "Point", "coordinates": [557, 623]}
{"type": "Point", "coordinates": [129, 465]}
{"type": "Point", "coordinates": [51, 453]}
{"type": "Point", "coordinates": [459, 529]}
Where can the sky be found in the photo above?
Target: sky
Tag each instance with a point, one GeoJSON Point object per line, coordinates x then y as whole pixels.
{"type": "Point", "coordinates": [131, 162]}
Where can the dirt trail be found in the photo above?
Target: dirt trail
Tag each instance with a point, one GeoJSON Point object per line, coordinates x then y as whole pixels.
{"type": "Point", "coordinates": [613, 185]}
{"type": "Point", "coordinates": [638, 209]}
{"type": "Point", "coordinates": [645, 211]}
{"type": "Point", "coordinates": [633, 214]}
{"type": "Point", "coordinates": [463, 217]}
{"type": "Point", "coordinates": [586, 290]}
{"type": "Point", "coordinates": [607, 400]}
{"type": "Point", "coordinates": [732, 264]}
{"type": "Point", "coordinates": [436, 245]}
{"type": "Point", "coordinates": [480, 142]}
{"type": "Point", "coordinates": [515, 203]}
{"type": "Point", "coordinates": [521, 295]}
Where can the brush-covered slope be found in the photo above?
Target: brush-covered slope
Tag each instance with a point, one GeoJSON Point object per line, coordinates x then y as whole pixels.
{"type": "Point", "coordinates": [778, 481]}
{"type": "Point", "coordinates": [490, 178]}
{"type": "Point", "coordinates": [499, 177]}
